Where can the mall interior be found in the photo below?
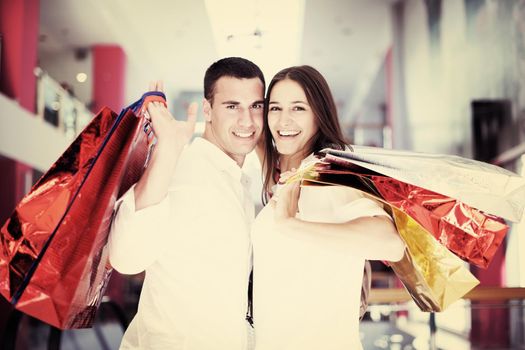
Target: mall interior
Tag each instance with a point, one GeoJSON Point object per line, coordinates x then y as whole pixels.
{"type": "Point", "coordinates": [433, 76]}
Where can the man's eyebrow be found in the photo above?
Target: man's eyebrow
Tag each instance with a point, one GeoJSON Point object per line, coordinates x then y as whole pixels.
{"type": "Point", "coordinates": [258, 102]}
{"type": "Point", "coordinates": [231, 103]}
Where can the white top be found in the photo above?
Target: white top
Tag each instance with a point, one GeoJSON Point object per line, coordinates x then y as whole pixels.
{"type": "Point", "coordinates": [196, 251]}
{"type": "Point", "coordinates": [306, 296]}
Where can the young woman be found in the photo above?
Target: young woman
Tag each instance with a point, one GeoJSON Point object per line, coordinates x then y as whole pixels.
{"type": "Point", "coordinates": [310, 248]}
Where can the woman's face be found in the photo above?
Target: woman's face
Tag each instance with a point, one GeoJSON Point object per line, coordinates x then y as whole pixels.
{"type": "Point", "coordinates": [290, 118]}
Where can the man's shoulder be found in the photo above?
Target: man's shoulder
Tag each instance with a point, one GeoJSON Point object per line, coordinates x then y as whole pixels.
{"type": "Point", "coordinates": [195, 161]}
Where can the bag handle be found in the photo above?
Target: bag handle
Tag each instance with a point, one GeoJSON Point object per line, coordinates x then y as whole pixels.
{"type": "Point", "coordinates": [139, 106]}
{"type": "Point", "coordinates": [150, 96]}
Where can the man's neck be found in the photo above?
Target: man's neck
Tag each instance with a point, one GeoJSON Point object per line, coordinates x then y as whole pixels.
{"type": "Point", "coordinates": [208, 136]}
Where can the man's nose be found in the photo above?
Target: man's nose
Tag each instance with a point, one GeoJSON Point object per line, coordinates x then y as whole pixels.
{"type": "Point", "coordinates": [246, 119]}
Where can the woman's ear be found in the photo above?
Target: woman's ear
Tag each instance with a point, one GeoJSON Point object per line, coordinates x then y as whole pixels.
{"type": "Point", "coordinates": [206, 109]}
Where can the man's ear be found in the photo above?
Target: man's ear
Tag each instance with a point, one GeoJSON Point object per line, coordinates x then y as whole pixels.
{"type": "Point", "coordinates": [206, 109]}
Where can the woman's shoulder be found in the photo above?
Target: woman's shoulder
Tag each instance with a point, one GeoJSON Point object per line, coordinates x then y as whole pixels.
{"type": "Point", "coordinates": [344, 193]}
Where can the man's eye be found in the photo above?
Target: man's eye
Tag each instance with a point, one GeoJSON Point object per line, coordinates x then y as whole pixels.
{"type": "Point", "coordinates": [257, 106]}
{"type": "Point", "coordinates": [231, 107]}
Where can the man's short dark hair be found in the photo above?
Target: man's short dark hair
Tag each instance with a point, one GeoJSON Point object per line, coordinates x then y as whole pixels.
{"type": "Point", "coordinates": [235, 67]}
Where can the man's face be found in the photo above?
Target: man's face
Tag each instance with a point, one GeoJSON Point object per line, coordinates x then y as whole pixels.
{"type": "Point", "coordinates": [236, 116]}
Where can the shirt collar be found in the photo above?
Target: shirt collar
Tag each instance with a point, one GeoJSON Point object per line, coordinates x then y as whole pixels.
{"type": "Point", "coordinates": [217, 157]}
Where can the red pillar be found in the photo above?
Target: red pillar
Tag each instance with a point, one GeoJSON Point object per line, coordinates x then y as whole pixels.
{"type": "Point", "coordinates": [109, 77]}
{"type": "Point", "coordinates": [109, 70]}
{"type": "Point", "coordinates": [19, 26]}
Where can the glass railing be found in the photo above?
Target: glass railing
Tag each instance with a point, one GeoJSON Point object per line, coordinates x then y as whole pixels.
{"type": "Point", "coordinates": [59, 107]}
{"type": "Point", "coordinates": [487, 318]}
{"type": "Point", "coordinates": [395, 325]}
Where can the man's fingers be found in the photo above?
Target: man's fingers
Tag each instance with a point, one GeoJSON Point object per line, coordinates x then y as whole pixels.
{"type": "Point", "coordinates": [150, 111]}
{"type": "Point", "coordinates": [154, 109]}
{"type": "Point", "coordinates": [192, 112]}
{"type": "Point", "coordinates": [160, 85]}
{"type": "Point", "coordinates": [156, 85]}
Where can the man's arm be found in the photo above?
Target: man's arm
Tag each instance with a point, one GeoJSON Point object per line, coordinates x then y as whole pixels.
{"type": "Point", "coordinates": [141, 221]}
{"type": "Point", "coordinates": [172, 135]}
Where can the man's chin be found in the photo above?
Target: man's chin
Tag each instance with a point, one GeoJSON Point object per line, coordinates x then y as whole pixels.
{"type": "Point", "coordinates": [243, 148]}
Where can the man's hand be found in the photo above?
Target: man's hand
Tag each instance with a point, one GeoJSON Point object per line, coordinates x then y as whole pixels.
{"type": "Point", "coordinates": [172, 133]}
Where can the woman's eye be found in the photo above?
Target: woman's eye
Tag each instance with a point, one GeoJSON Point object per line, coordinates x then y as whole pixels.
{"type": "Point", "coordinates": [299, 108]}
{"type": "Point", "coordinates": [274, 108]}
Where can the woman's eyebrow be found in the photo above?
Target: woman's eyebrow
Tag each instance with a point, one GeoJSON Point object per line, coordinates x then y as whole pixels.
{"type": "Point", "coordinates": [298, 101]}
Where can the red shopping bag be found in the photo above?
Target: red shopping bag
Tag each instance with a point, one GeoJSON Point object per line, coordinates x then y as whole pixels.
{"type": "Point", "coordinates": [471, 234]}
{"type": "Point", "coordinates": [53, 256]}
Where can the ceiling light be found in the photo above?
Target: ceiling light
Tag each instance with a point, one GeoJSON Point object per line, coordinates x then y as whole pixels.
{"type": "Point", "coordinates": [81, 77]}
{"type": "Point", "coordinates": [269, 33]}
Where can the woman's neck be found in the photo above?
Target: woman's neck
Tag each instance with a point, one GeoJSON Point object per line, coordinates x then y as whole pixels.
{"type": "Point", "coordinates": [287, 162]}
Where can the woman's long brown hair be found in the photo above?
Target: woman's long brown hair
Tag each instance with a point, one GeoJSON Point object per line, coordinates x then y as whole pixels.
{"type": "Point", "coordinates": [323, 107]}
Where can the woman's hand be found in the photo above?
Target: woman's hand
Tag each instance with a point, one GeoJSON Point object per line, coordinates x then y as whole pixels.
{"type": "Point", "coordinates": [286, 175]}
{"type": "Point", "coordinates": [169, 131]}
{"type": "Point", "coordinates": [286, 202]}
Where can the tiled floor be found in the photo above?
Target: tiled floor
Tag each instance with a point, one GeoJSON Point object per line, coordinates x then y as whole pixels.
{"type": "Point", "coordinates": [34, 335]}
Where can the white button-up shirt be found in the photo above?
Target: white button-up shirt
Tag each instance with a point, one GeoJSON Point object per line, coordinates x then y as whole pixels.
{"type": "Point", "coordinates": [196, 251]}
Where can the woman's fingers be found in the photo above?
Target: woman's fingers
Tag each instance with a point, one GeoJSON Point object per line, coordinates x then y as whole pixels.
{"type": "Point", "coordinates": [286, 175]}
{"type": "Point", "coordinates": [286, 201]}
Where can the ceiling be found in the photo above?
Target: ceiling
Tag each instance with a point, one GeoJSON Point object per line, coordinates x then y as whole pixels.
{"type": "Point", "coordinates": [172, 40]}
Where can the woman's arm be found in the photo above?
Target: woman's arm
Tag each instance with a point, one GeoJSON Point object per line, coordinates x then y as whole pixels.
{"type": "Point", "coordinates": [373, 237]}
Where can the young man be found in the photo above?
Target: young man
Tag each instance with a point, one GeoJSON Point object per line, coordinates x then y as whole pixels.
{"type": "Point", "coordinates": [187, 221]}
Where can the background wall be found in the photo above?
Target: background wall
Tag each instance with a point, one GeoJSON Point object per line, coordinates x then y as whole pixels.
{"type": "Point", "coordinates": [470, 50]}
